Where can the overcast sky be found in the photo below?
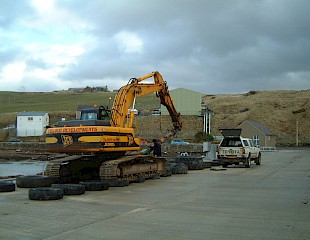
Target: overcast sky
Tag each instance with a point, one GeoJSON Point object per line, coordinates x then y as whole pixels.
{"type": "Point", "coordinates": [211, 46]}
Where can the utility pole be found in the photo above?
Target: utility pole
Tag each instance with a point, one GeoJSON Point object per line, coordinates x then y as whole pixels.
{"type": "Point", "coordinates": [297, 130]}
{"type": "Point", "coordinates": [296, 113]}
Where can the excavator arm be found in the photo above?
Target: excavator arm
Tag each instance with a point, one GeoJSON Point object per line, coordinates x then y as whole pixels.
{"type": "Point", "coordinates": [128, 93]}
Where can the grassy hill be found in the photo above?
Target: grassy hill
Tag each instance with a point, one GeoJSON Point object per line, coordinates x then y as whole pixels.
{"type": "Point", "coordinates": [274, 109]}
{"type": "Point", "coordinates": [60, 104]}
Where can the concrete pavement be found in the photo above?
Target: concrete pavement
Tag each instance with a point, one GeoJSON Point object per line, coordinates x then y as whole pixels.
{"type": "Point", "coordinates": [270, 201]}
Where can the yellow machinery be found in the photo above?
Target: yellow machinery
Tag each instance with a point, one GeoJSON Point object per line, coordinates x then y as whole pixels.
{"type": "Point", "coordinates": [104, 149]}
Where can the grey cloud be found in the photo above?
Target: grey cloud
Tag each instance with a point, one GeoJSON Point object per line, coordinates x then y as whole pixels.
{"type": "Point", "coordinates": [205, 45]}
{"type": "Point", "coordinates": [8, 55]}
{"type": "Point", "coordinates": [10, 11]}
{"type": "Point", "coordinates": [37, 63]}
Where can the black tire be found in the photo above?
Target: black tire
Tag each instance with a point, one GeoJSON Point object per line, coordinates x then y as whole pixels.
{"type": "Point", "coordinates": [179, 168]}
{"type": "Point", "coordinates": [95, 186]}
{"type": "Point", "coordinates": [116, 183]}
{"type": "Point", "coordinates": [258, 160]}
{"type": "Point", "coordinates": [201, 166]}
{"type": "Point", "coordinates": [167, 174]}
{"type": "Point", "coordinates": [140, 180]}
{"type": "Point", "coordinates": [7, 186]}
{"type": "Point", "coordinates": [71, 189]}
{"type": "Point", "coordinates": [45, 193]}
{"type": "Point", "coordinates": [247, 163]}
{"type": "Point", "coordinates": [156, 176]}
{"type": "Point", "coordinates": [224, 165]}
{"type": "Point", "coordinates": [34, 181]}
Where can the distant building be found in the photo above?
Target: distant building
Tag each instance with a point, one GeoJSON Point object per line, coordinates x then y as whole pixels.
{"type": "Point", "coordinates": [260, 135]}
{"type": "Point", "coordinates": [186, 101]}
{"type": "Point", "coordinates": [88, 89]}
{"type": "Point", "coordinates": [76, 90]}
{"type": "Point", "coordinates": [31, 123]}
{"type": "Point", "coordinates": [101, 89]}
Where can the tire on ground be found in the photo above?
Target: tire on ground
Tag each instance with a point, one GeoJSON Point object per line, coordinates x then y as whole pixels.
{"type": "Point", "coordinates": [95, 186]}
{"type": "Point", "coordinates": [167, 174]}
{"type": "Point", "coordinates": [179, 168]}
{"type": "Point", "coordinates": [117, 183]}
{"type": "Point", "coordinates": [71, 189]}
{"type": "Point", "coordinates": [34, 181]}
{"type": "Point", "coordinates": [45, 193]}
{"type": "Point", "coordinates": [155, 176]}
{"type": "Point", "coordinates": [7, 186]}
{"type": "Point", "coordinates": [140, 180]}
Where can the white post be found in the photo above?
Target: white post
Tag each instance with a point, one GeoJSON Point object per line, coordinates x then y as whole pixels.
{"type": "Point", "coordinates": [209, 120]}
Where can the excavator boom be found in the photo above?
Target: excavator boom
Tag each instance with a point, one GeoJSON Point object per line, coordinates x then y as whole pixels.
{"type": "Point", "coordinates": [135, 88]}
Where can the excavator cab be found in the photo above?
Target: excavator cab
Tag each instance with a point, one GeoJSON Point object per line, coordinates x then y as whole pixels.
{"type": "Point", "coordinates": [94, 116]}
{"type": "Point", "coordinates": [95, 113]}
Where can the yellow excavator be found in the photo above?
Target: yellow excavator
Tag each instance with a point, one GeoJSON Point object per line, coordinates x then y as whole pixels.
{"type": "Point", "coordinates": [102, 145]}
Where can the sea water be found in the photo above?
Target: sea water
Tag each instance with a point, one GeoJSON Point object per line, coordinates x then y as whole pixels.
{"type": "Point", "coordinates": [26, 167]}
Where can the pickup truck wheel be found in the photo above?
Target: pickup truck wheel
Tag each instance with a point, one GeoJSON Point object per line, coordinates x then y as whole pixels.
{"type": "Point", "coordinates": [224, 165]}
{"type": "Point", "coordinates": [258, 160]}
{"type": "Point", "coordinates": [247, 163]}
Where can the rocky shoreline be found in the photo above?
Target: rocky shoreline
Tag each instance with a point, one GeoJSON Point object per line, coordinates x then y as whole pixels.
{"type": "Point", "coordinates": [18, 155]}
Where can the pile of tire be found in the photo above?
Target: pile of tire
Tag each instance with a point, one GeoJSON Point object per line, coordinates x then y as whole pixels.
{"type": "Point", "coordinates": [192, 162]}
{"type": "Point", "coordinates": [48, 188]}
{"type": "Point", "coordinates": [177, 168]}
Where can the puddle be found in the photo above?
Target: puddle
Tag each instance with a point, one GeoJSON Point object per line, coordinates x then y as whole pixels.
{"type": "Point", "coordinates": [29, 167]}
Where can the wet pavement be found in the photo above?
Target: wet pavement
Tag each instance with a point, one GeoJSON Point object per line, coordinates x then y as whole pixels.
{"type": "Point", "coordinates": [270, 201]}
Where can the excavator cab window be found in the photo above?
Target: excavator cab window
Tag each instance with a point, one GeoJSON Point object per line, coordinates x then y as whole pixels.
{"type": "Point", "coordinates": [88, 116]}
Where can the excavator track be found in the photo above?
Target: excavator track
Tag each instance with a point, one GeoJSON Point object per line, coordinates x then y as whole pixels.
{"type": "Point", "coordinates": [53, 166]}
{"type": "Point", "coordinates": [132, 168]}
{"type": "Point", "coordinates": [90, 167]}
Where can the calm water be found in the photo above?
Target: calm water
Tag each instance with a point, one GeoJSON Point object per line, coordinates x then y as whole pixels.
{"type": "Point", "coordinates": [27, 167]}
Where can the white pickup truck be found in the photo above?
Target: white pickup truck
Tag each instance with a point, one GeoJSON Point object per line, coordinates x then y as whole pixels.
{"type": "Point", "coordinates": [234, 149]}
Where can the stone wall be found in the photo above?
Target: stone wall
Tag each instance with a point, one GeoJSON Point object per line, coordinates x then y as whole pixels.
{"type": "Point", "coordinates": [150, 127]}
{"type": "Point", "coordinates": [23, 146]}
{"type": "Point", "coordinates": [173, 150]}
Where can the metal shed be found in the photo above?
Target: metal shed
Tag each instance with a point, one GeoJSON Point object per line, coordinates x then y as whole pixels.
{"type": "Point", "coordinates": [186, 101]}
{"type": "Point", "coordinates": [32, 123]}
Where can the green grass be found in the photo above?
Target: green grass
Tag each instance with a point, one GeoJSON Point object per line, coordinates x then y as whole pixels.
{"type": "Point", "coordinates": [60, 104]}
{"type": "Point", "coordinates": [53, 102]}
